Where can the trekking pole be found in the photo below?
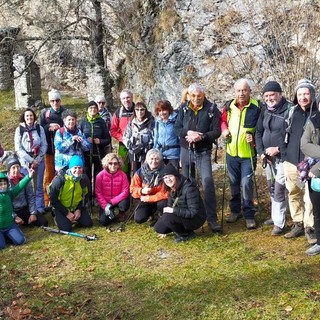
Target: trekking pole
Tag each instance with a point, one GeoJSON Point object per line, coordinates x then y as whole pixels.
{"type": "Point", "coordinates": [74, 234]}
{"type": "Point", "coordinates": [190, 162]}
{"type": "Point", "coordinates": [255, 182]}
{"type": "Point", "coordinates": [223, 188]}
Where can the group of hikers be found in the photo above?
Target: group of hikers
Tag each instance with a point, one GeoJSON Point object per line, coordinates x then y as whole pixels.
{"type": "Point", "coordinates": [72, 164]}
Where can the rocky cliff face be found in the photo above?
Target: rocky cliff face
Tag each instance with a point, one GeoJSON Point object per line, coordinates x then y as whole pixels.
{"type": "Point", "coordinates": [157, 48]}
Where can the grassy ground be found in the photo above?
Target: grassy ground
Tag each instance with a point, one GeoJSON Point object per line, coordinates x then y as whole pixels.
{"type": "Point", "coordinates": [134, 275]}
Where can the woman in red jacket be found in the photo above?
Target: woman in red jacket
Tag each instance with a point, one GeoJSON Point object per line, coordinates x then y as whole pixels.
{"type": "Point", "coordinates": [112, 190]}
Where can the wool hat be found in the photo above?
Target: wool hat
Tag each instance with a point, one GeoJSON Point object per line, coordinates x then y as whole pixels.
{"type": "Point", "coordinates": [305, 83]}
{"type": "Point", "coordinates": [12, 161]}
{"type": "Point", "coordinates": [273, 86]}
{"type": "Point", "coordinates": [75, 161]}
{"type": "Point", "coordinates": [169, 169]}
{"type": "Point", "coordinates": [92, 103]}
{"type": "Point", "coordinates": [3, 176]}
{"type": "Point", "coordinates": [54, 95]}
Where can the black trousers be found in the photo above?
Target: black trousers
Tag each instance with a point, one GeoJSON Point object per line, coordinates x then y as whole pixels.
{"type": "Point", "coordinates": [24, 214]}
{"type": "Point", "coordinates": [63, 223]}
{"type": "Point", "coordinates": [123, 207]}
{"type": "Point", "coordinates": [144, 210]}
{"type": "Point", "coordinates": [169, 222]}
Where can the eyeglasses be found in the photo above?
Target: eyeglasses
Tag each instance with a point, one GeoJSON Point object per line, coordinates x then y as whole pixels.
{"type": "Point", "coordinates": [140, 110]}
{"type": "Point", "coordinates": [57, 100]}
{"type": "Point", "coordinates": [101, 102]}
{"type": "Point", "coordinates": [113, 163]}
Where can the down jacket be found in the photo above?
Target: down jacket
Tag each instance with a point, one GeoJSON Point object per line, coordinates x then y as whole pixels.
{"type": "Point", "coordinates": [111, 188]}
{"type": "Point", "coordinates": [186, 200]}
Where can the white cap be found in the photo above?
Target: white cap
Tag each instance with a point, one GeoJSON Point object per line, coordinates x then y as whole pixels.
{"type": "Point", "coordinates": [54, 95]}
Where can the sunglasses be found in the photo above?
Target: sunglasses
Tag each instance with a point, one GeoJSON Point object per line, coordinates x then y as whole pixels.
{"type": "Point", "coordinates": [113, 163]}
{"type": "Point", "coordinates": [140, 110]}
{"type": "Point", "coordinates": [57, 100]}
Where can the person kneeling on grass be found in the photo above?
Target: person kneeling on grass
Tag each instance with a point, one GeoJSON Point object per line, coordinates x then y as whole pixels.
{"type": "Point", "coordinates": [112, 190]}
{"type": "Point", "coordinates": [24, 205]}
{"type": "Point", "coordinates": [185, 211]}
{"type": "Point", "coordinates": [69, 195]}
{"type": "Point", "coordinates": [8, 228]}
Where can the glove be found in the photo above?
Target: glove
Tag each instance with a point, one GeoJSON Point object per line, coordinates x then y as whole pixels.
{"type": "Point", "coordinates": [109, 211]}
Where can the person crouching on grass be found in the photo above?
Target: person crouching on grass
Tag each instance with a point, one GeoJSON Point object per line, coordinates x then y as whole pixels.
{"type": "Point", "coordinates": [69, 195]}
{"type": "Point", "coordinates": [9, 230]}
{"type": "Point", "coordinates": [185, 210]}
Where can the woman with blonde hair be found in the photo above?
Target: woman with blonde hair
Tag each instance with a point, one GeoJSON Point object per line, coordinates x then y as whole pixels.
{"type": "Point", "coordinates": [112, 190]}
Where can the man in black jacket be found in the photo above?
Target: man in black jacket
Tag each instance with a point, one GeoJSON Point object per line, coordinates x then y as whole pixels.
{"type": "Point", "coordinates": [198, 126]}
{"type": "Point", "coordinates": [270, 135]}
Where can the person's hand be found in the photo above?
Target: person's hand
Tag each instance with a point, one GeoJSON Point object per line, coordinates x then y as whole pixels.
{"type": "Point", "coordinates": [31, 172]}
{"type": "Point", "coordinates": [193, 136]}
{"type": "Point", "coordinates": [225, 133]}
{"type": "Point", "coordinates": [76, 138]}
{"type": "Point", "coordinates": [89, 139]}
{"type": "Point", "coordinates": [272, 151]}
{"type": "Point", "coordinates": [32, 218]}
{"type": "Point", "coordinates": [145, 190]}
{"type": "Point", "coordinates": [249, 137]}
{"type": "Point", "coordinates": [311, 175]}
{"type": "Point", "coordinates": [167, 210]}
{"type": "Point", "coordinates": [96, 140]}
{"type": "Point", "coordinates": [161, 236]}
{"type": "Point", "coordinates": [18, 220]}
{"type": "Point", "coordinates": [35, 164]}
{"type": "Point", "coordinates": [70, 216]}
{"type": "Point", "coordinates": [77, 214]}
{"type": "Point", "coordinates": [109, 211]}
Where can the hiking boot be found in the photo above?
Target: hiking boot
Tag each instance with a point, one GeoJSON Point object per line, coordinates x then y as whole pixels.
{"type": "Point", "coordinates": [182, 237]}
{"type": "Point", "coordinates": [276, 231]}
{"type": "Point", "coordinates": [251, 224]}
{"type": "Point", "coordinates": [310, 235]}
{"type": "Point", "coordinates": [233, 217]}
{"type": "Point", "coordinates": [268, 222]}
{"type": "Point", "coordinates": [296, 231]}
{"type": "Point", "coordinates": [215, 226]}
{"type": "Point", "coordinates": [315, 249]}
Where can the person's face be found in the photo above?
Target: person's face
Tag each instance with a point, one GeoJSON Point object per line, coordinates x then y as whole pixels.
{"type": "Point", "coordinates": [101, 105]}
{"type": "Point", "coordinates": [55, 104]}
{"type": "Point", "coordinates": [3, 185]}
{"type": "Point", "coordinates": [126, 100]}
{"type": "Point", "coordinates": [29, 118]}
{"type": "Point", "coordinates": [170, 181]}
{"type": "Point", "coordinates": [153, 162]}
{"type": "Point", "coordinates": [196, 98]}
{"type": "Point", "coordinates": [76, 171]}
{"type": "Point", "coordinates": [70, 122]}
{"type": "Point", "coordinates": [14, 171]}
{"type": "Point", "coordinates": [243, 92]}
{"type": "Point", "coordinates": [272, 98]}
{"type": "Point", "coordinates": [304, 97]}
{"type": "Point", "coordinates": [113, 165]}
{"type": "Point", "coordinates": [140, 113]}
{"type": "Point", "coordinates": [92, 111]}
{"type": "Point", "coordinates": [164, 114]}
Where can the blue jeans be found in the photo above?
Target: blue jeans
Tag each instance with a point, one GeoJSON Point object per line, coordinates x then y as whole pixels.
{"type": "Point", "coordinates": [201, 161]}
{"type": "Point", "coordinates": [241, 176]}
{"type": "Point", "coordinates": [13, 233]}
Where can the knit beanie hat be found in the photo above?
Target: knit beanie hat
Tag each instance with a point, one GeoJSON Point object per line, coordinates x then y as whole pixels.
{"type": "Point", "coordinates": [305, 83]}
{"type": "Point", "coordinates": [12, 161]}
{"type": "Point", "coordinates": [54, 95]}
{"type": "Point", "coordinates": [92, 103]}
{"type": "Point", "coordinates": [170, 170]}
{"type": "Point", "coordinates": [75, 161]}
{"type": "Point", "coordinates": [273, 86]}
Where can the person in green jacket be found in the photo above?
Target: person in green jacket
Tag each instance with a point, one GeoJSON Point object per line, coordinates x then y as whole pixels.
{"type": "Point", "coordinates": [9, 230]}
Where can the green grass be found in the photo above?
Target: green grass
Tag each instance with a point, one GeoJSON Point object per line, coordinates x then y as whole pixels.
{"type": "Point", "coordinates": [134, 275]}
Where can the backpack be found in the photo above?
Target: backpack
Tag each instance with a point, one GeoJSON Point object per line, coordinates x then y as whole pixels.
{"type": "Point", "coordinates": [23, 129]}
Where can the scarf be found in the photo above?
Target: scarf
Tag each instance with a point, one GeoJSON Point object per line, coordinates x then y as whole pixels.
{"type": "Point", "coordinates": [151, 177]}
{"type": "Point", "coordinates": [68, 172]}
{"type": "Point", "coordinates": [94, 118]}
{"type": "Point", "coordinates": [277, 106]}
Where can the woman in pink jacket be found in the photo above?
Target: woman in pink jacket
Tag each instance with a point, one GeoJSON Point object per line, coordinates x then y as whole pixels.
{"type": "Point", "coordinates": [112, 190]}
